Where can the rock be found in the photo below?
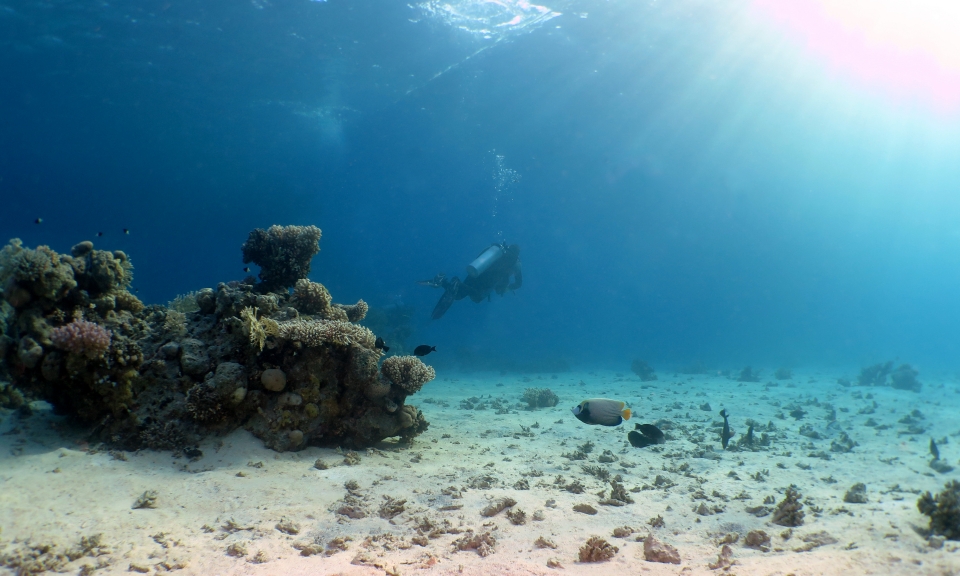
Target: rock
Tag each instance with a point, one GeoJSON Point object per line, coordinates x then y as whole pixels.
{"type": "Point", "coordinates": [273, 379]}
{"type": "Point", "coordinates": [193, 357]}
{"type": "Point", "coordinates": [29, 352]}
{"type": "Point", "coordinates": [207, 301]}
{"type": "Point", "coordinates": [228, 378]}
{"type": "Point", "coordinates": [757, 539]}
{"type": "Point", "coordinates": [857, 494]}
{"type": "Point", "coordinates": [170, 350]}
{"type": "Point", "coordinates": [585, 509]}
{"type": "Point", "coordinates": [656, 551]}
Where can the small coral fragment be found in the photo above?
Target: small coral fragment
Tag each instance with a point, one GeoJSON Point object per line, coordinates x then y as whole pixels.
{"type": "Point", "coordinates": [943, 510]}
{"type": "Point", "coordinates": [857, 494]}
{"type": "Point", "coordinates": [146, 500]}
{"type": "Point", "coordinates": [656, 551]}
{"type": "Point", "coordinates": [497, 506]}
{"type": "Point", "coordinates": [597, 550]}
{"type": "Point", "coordinates": [757, 539]}
{"type": "Point", "coordinates": [789, 511]}
{"type": "Point", "coordinates": [484, 543]}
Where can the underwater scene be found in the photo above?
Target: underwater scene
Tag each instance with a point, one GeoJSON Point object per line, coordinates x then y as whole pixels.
{"type": "Point", "coordinates": [481, 287]}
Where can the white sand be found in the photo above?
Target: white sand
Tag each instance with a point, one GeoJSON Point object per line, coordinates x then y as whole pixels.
{"type": "Point", "coordinates": [52, 490]}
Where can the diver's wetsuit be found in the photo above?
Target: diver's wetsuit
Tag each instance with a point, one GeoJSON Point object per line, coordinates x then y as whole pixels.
{"type": "Point", "coordinates": [477, 288]}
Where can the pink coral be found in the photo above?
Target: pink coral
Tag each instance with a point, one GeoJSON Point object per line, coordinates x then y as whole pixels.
{"type": "Point", "coordinates": [82, 337]}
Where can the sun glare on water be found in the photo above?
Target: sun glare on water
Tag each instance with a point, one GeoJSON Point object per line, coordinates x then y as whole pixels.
{"type": "Point", "coordinates": [905, 49]}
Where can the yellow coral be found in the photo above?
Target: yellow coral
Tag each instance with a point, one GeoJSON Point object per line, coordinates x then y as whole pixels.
{"type": "Point", "coordinates": [253, 328]}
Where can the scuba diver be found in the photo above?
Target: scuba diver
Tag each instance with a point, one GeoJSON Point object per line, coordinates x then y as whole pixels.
{"type": "Point", "coordinates": [490, 271]}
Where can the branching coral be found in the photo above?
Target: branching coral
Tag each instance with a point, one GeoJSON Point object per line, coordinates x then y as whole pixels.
{"type": "Point", "coordinates": [597, 550]}
{"type": "Point", "coordinates": [407, 372]}
{"type": "Point", "coordinates": [40, 271]}
{"type": "Point", "coordinates": [540, 398]}
{"type": "Point", "coordinates": [943, 510]}
{"type": "Point", "coordinates": [789, 511]}
{"type": "Point", "coordinates": [82, 338]}
{"type": "Point", "coordinates": [283, 254]}
{"type": "Point", "coordinates": [320, 332]}
{"type": "Point", "coordinates": [356, 312]}
{"type": "Point", "coordinates": [311, 297]}
{"type": "Point", "coordinates": [175, 323]}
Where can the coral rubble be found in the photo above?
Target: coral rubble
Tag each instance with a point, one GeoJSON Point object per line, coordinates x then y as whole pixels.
{"type": "Point", "coordinates": [294, 369]}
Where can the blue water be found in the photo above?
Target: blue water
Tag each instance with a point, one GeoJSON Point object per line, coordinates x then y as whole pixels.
{"type": "Point", "coordinates": [685, 185]}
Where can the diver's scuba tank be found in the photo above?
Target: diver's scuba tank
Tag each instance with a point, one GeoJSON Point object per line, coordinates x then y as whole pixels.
{"type": "Point", "coordinates": [485, 260]}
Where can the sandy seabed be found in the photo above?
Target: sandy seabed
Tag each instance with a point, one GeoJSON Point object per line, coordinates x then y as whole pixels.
{"type": "Point", "coordinates": [269, 509]}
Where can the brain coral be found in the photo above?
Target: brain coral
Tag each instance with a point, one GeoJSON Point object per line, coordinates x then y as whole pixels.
{"type": "Point", "coordinates": [407, 372]}
{"type": "Point", "coordinates": [82, 338]}
{"type": "Point", "coordinates": [283, 254]}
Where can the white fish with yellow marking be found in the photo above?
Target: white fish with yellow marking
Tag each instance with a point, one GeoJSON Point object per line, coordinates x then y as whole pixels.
{"type": "Point", "coordinates": [602, 411]}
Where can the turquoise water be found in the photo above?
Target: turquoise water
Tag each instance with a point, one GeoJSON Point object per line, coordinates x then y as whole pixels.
{"type": "Point", "coordinates": [702, 186]}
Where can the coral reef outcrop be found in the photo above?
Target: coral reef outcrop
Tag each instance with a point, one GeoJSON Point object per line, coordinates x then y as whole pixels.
{"type": "Point", "coordinates": [643, 370]}
{"type": "Point", "coordinates": [294, 369]}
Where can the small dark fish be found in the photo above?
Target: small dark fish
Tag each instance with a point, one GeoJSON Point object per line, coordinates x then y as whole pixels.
{"type": "Point", "coordinates": [99, 233]}
{"type": "Point", "coordinates": [381, 345]}
{"type": "Point", "coordinates": [423, 350]}
{"type": "Point", "coordinates": [934, 450]}
{"type": "Point", "coordinates": [38, 221]}
{"type": "Point", "coordinates": [246, 268]}
{"type": "Point", "coordinates": [126, 230]}
{"type": "Point", "coordinates": [726, 434]}
{"type": "Point", "coordinates": [645, 435]}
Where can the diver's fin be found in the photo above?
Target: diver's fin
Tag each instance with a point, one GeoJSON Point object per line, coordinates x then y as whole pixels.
{"type": "Point", "coordinates": [443, 304]}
